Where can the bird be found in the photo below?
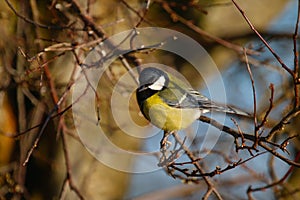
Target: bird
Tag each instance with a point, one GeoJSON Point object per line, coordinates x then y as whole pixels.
{"type": "Point", "coordinates": [171, 104]}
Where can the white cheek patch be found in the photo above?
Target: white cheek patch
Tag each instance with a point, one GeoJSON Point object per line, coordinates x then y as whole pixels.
{"type": "Point", "coordinates": [159, 84]}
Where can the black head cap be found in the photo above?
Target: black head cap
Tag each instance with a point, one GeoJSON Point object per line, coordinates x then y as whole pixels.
{"type": "Point", "coordinates": [150, 75]}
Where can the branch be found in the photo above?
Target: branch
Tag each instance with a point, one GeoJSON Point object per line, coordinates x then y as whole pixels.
{"type": "Point", "coordinates": [275, 153]}
{"type": "Point", "coordinates": [263, 40]}
{"type": "Point", "coordinates": [211, 188]}
{"type": "Point", "coordinates": [261, 140]}
{"type": "Point", "coordinates": [141, 16]}
{"type": "Point", "coordinates": [68, 167]}
{"type": "Point", "coordinates": [264, 121]}
{"type": "Point", "coordinates": [198, 30]}
{"type": "Point", "coordinates": [284, 121]}
{"type": "Point", "coordinates": [36, 23]}
{"type": "Point", "coordinates": [87, 20]}
{"type": "Point", "coordinates": [250, 189]}
{"type": "Point", "coordinates": [254, 100]}
{"type": "Point", "coordinates": [296, 60]}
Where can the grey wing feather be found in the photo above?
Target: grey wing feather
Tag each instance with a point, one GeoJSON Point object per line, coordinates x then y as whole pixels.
{"type": "Point", "coordinates": [181, 98]}
{"type": "Point", "coordinates": [206, 103]}
{"type": "Point", "coordinates": [176, 96]}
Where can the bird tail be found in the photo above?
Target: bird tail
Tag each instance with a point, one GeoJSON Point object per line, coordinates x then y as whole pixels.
{"type": "Point", "coordinates": [227, 109]}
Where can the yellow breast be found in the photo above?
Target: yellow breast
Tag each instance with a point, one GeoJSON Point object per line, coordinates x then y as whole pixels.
{"type": "Point", "coordinates": [166, 117]}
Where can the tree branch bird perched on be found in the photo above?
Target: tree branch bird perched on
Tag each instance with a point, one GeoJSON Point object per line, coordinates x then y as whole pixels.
{"type": "Point", "coordinates": [170, 104]}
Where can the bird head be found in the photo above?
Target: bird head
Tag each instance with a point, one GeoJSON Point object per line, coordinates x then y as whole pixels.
{"type": "Point", "coordinates": [153, 79]}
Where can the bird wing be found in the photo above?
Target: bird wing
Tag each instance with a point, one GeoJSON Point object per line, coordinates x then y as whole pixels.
{"type": "Point", "coordinates": [182, 96]}
{"type": "Point", "coordinates": [176, 96]}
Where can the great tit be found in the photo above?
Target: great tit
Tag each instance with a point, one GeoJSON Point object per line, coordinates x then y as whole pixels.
{"type": "Point", "coordinates": [170, 104]}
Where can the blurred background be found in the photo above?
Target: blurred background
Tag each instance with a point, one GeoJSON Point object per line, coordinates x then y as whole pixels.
{"type": "Point", "coordinates": [44, 43]}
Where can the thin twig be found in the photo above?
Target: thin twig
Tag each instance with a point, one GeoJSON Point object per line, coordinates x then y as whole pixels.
{"type": "Point", "coordinates": [279, 181]}
{"type": "Point", "coordinates": [36, 23]}
{"type": "Point", "coordinates": [254, 100]}
{"type": "Point", "coordinates": [261, 142]}
{"type": "Point", "coordinates": [231, 165]}
{"type": "Point", "coordinates": [101, 33]}
{"type": "Point", "coordinates": [198, 30]}
{"type": "Point", "coordinates": [241, 133]}
{"type": "Point", "coordinates": [264, 121]}
{"type": "Point", "coordinates": [87, 20]}
{"type": "Point", "coordinates": [275, 153]}
{"type": "Point", "coordinates": [263, 40]}
{"type": "Point", "coordinates": [48, 118]}
{"type": "Point", "coordinates": [141, 16]}
{"type": "Point", "coordinates": [211, 187]}
{"type": "Point", "coordinates": [296, 60]}
{"type": "Point", "coordinates": [53, 92]}
{"type": "Point", "coordinates": [37, 139]}
{"type": "Point", "coordinates": [283, 122]}
{"type": "Point", "coordinates": [68, 167]}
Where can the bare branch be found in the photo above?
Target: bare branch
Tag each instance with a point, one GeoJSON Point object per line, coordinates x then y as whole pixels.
{"type": "Point", "coordinates": [296, 60]}
{"type": "Point", "coordinates": [264, 121]}
{"type": "Point", "coordinates": [254, 100]}
{"type": "Point", "coordinates": [263, 40]}
{"type": "Point", "coordinates": [198, 30]}
{"type": "Point", "coordinates": [276, 182]}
